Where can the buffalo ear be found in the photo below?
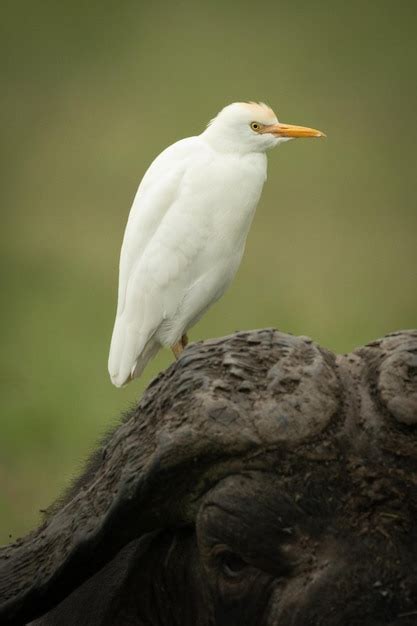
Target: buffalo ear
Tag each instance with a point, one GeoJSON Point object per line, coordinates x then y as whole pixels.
{"type": "Point", "coordinates": [132, 489]}
{"type": "Point", "coordinates": [123, 500]}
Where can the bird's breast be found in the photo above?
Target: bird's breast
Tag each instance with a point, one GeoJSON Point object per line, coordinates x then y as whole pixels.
{"type": "Point", "coordinates": [222, 195]}
{"type": "Point", "coordinates": [209, 219]}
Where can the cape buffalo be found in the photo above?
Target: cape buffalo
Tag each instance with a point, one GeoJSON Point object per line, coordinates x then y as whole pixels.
{"type": "Point", "coordinates": [261, 480]}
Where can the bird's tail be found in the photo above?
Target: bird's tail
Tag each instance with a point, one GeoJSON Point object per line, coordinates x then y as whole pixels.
{"type": "Point", "coordinates": [151, 349]}
{"type": "Point", "coordinates": [130, 351]}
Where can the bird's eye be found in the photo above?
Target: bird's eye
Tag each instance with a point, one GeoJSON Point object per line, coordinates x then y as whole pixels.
{"type": "Point", "coordinates": [255, 126]}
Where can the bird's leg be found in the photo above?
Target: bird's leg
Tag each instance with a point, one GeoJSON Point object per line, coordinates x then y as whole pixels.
{"type": "Point", "coordinates": [177, 348]}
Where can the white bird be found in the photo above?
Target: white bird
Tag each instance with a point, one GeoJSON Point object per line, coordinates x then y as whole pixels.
{"type": "Point", "coordinates": [187, 229]}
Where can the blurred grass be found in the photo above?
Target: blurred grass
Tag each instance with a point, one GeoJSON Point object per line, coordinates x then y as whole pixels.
{"type": "Point", "coordinates": [91, 93]}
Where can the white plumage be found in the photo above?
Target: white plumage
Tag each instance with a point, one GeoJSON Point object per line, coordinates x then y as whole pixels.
{"type": "Point", "coordinates": [186, 231]}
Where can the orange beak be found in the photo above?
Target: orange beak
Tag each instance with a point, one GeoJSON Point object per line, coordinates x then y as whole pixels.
{"type": "Point", "coordinates": [287, 130]}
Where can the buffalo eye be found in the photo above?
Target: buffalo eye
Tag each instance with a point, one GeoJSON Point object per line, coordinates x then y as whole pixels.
{"type": "Point", "coordinates": [231, 564]}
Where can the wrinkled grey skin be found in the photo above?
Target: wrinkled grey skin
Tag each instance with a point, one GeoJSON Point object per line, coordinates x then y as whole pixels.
{"type": "Point", "coordinates": [260, 481]}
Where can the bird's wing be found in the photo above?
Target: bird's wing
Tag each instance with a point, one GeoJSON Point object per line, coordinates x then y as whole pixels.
{"type": "Point", "coordinates": [140, 309]}
{"type": "Point", "coordinates": [157, 191]}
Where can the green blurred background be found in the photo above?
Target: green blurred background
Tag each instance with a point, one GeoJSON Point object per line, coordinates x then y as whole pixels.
{"type": "Point", "coordinates": [91, 93]}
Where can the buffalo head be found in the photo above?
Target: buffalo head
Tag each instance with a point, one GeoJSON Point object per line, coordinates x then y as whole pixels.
{"type": "Point", "coordinates": [260, 481]}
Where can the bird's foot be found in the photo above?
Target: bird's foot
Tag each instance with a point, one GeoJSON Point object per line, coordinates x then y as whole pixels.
{"type": "Point", "coordinates": [184, 340]}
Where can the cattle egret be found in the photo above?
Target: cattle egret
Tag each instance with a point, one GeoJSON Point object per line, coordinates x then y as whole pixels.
{"type": "Point", "coordinates": [187, 229]}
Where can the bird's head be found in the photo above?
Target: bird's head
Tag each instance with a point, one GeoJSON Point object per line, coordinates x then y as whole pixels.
{"type": "Point", "coordinates": [252, 127]}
